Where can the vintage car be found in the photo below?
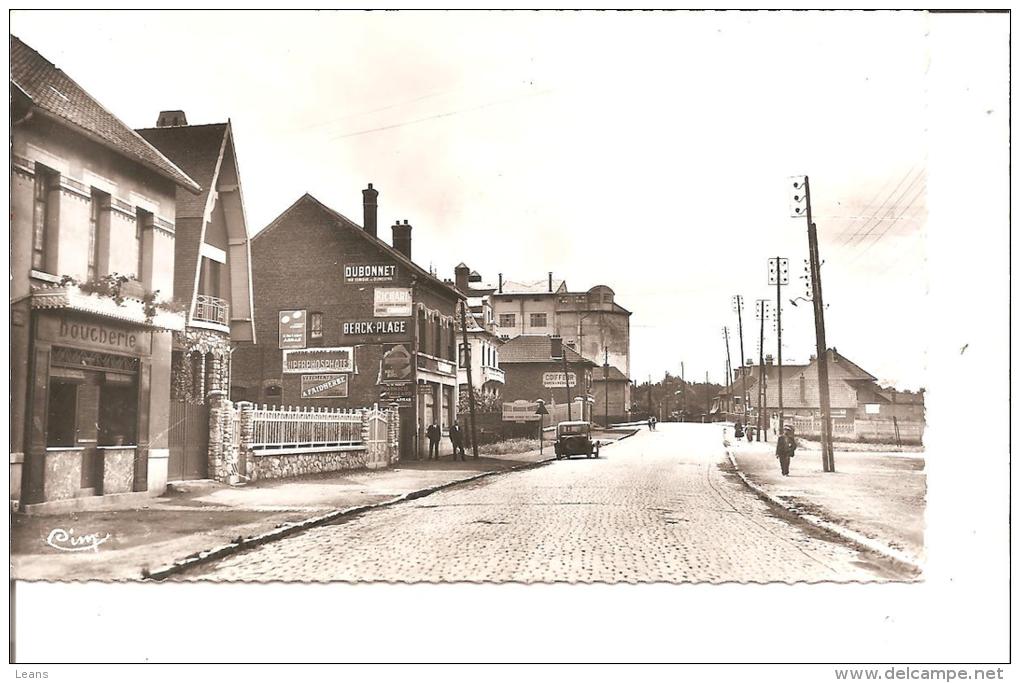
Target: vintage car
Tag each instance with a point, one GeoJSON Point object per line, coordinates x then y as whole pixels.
{"type": "Point", "coordinates": [574, 438]}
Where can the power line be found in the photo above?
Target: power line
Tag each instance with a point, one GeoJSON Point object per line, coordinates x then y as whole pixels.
{"type": "Point", "coordinates": [439, 116]}
{"type": "Point", "coordinates": [873, 224]}
{"type": "Point", "coordinates": [881, 210]}
{"type": "Point", "coordinates": [850, 228]}
{"type": "Point", "coordinates": [917, 195]}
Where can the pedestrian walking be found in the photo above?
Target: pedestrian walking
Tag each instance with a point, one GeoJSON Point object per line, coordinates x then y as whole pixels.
{"type": "Point", "coordinates": [654, 423]}
{"type": "Point", "coordinates": [434, 434]}
{"type": "Point", "coordinates": [785, 447]}
{"type": "Point", "coordinates": [649, 423]}
{"type": "Point", "coordinates": [457, 439]}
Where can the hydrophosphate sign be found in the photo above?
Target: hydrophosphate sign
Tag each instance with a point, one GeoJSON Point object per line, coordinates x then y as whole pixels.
{"type": "Point", "coordinates": [325, 360]}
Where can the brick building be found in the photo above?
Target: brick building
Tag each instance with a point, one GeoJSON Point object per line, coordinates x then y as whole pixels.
{"type": "Point", "coordinates": [92, 267]}
{"type": "Point", "coordinates": [344, 320]}
{"type": "Point", "coordinates": [212, 280]}
{"type": "Point", "coordinates": [534, 366]}
{"type": "Point", "coordinates": [617, 385]}
{"type": "Point", "coordinates": [486, 376]}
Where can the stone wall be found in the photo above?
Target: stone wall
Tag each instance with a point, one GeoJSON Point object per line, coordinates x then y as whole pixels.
{"type": "Point", "coordinates": [233, 460]}
{"type": "Point", "coordinates": [118, 470]}
{"type": "Point", "coordinates": [296, 464]}
{"type": "Point", "coordinates": [62, 478]}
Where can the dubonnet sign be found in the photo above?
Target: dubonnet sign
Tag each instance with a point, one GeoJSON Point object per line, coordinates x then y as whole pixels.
{"type": "Point", "coordinates": [357, 273]}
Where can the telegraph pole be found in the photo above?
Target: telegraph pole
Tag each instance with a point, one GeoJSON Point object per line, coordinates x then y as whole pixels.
{"type": "Point", "coordinates": [566, 381]}
{"type": "Point", "coordinates": [605, 375]}
{"type": "Point", "coordinates": [779, 275]}
{"type": "Point", "coordinates": [800, 204]}
{"type": "Point", "coordinates": [738, 303]}
{"type": "Point", "coordinates": [683, 396]}
{"type": "Point", "coordinates": [729, 370]}
{"type": "Point", "coordinates": [470, 382]}
{"type": "Point", "coordinates": [762, 395]}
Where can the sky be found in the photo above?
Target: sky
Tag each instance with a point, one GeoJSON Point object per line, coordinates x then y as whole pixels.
{"type": "Point", "coordinates": [650, 152]}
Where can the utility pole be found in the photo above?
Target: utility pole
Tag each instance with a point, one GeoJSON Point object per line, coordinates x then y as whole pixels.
{"type": "Point", "coordinates": [605, 375]}
{"type": "Point", "coordinates": [566, 381]}
{"type": "Point", "coordinates": [683, 395]}
{"type": "Point", "coordinates": [761, 368]}
{"type": "Point", "coordinates": [779, 275]}
{"type": "Point", "coordinates": [470, 382]}
{"type": "Point", "coordinates": [649, 395]}
{"type": "Point", "coordinates": [800, 204]}
{"type": "Point", "coordinates": [738, 303]}
{"type": "Point", "coordinates": [708, 400]}
{"type": "Point", "coordinates": [729, 371]}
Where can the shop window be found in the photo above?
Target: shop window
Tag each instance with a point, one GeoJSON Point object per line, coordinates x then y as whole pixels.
{"type": "Point", "coordinates": [315, 326]}
{"type": "Point", "coordinates": [118, 411]}
{"type": "Point", "coordinates": [507, 320]}
{"type": "Point", "coordinates": [538, 319]}
{"type": "Point", "coordinates": [61, 427]}
{"type": "Point", "coordinates": [46, 181]}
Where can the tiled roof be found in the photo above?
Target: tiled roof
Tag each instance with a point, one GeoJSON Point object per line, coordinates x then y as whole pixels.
{"type": "Point", "coordinates": [535, 349]}
{"type": "Point", "coordinates": [615, 375]}
{"type": "Point", "coordinates": [195, 150]}
{"type": "Point", "coordinates": [345, 222]}
{"type": "Point", "coordinates": [54, 93]}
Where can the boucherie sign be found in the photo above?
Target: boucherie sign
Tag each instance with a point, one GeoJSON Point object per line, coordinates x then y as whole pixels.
{"type": "Point", "coordinates": [99, 334]}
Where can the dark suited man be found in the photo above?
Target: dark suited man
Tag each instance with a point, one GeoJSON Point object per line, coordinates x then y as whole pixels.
{"type": "Point", "coordinates": [785, 448]}
{"type": "Point", "coordinates": [457, 439]}
{"type": "Point", "coordinates": [434, 434]}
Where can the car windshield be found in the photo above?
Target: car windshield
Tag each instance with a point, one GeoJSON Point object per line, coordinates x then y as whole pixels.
{"type": "Point", "coordinates": [573, 429]}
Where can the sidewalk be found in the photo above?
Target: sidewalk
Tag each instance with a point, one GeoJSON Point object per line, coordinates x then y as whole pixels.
{"type": "Point", "coordinates": [198, 516]}
{"type": "Point", "coordinates": [880, 495]}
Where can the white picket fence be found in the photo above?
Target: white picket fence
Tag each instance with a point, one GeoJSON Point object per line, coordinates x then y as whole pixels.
{"type": "Point", "coordinates": [275, 428]}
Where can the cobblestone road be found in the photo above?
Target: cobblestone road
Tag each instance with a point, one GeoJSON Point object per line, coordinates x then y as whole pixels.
{"type": "Point", "coordinates": [656, 507]}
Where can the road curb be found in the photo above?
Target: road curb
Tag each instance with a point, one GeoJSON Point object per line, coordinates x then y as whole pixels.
{"type": "Point", "coordinates": [846, 534]}
{"type": "Point", "coordinates": [285, 530]}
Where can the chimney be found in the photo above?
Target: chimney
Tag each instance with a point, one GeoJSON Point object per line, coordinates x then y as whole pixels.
{"type": "Point", "coordinates": [813, 358]}
{"type": "Point", "coordinates": [550, 281]}
{"type": "Point", "coordinates": [171, 118]}
{"type": "Point", "coordinates": [556, 348]}
{"type": "Point", "coordinates": [461, 274]}
{"type": "Point", "coordinates": [768, 359]}
{"type": "Point", "coordinates": [501, 283]}
{"type": "Point", "coordinates": [402, 238]}
{"type": "Point", "coordinates": [370, 201]}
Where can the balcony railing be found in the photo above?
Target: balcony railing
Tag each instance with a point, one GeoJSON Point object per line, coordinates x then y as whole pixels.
{"type": "Point", "coordinates": [211, 309]}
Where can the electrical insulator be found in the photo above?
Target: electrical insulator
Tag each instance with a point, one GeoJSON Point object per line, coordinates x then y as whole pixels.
{"type": "Point", "coordinates": [797, 193]}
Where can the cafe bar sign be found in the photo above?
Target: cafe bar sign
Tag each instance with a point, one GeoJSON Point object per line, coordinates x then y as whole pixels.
{"type": "Point", "coordinates": [360, 273]}
{"type": "Point", "coordinates": [325, 360]}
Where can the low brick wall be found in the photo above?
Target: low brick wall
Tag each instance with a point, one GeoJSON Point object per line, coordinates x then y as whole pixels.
{"type": "Point", "coordinates": [296, 464]}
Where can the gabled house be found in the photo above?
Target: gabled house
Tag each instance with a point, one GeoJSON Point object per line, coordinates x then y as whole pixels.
{"type": "Point", "coordinates": [542, 367]}
{"type": "Point", "coordinates": [93, 228]}
{"type": "Point", "coordinates": [212, 280]}
{"type": "Point", "coordinates": [345, 321]}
